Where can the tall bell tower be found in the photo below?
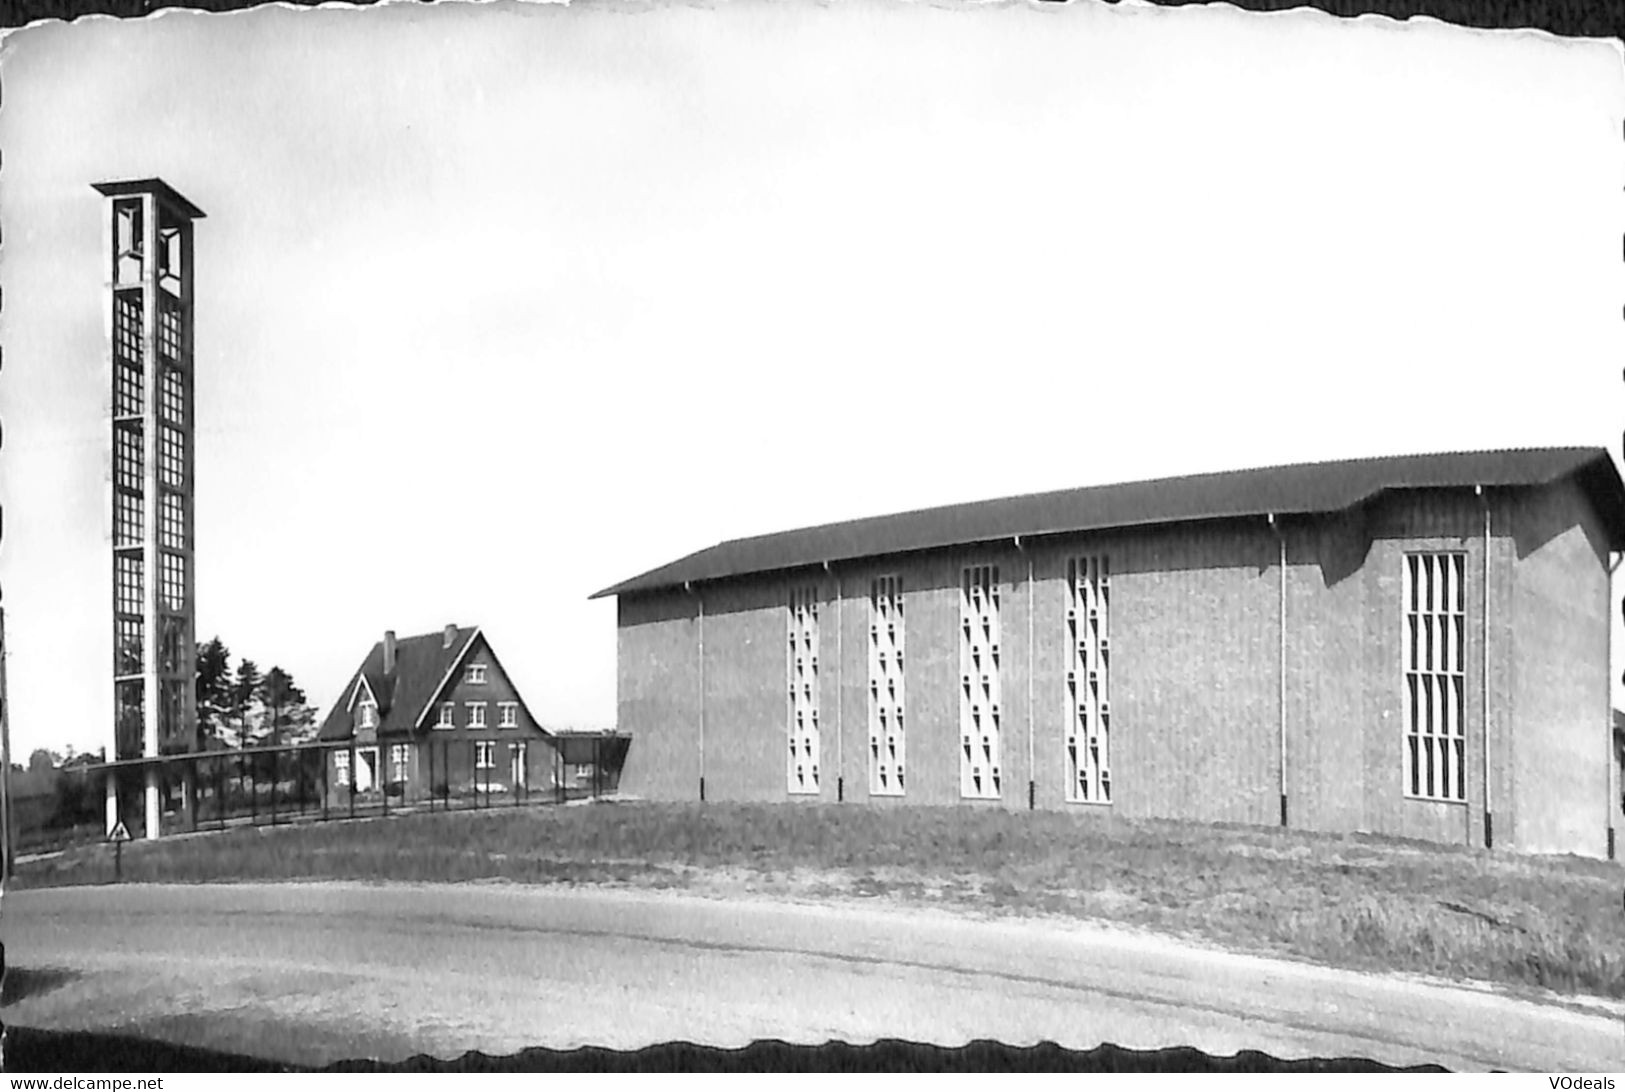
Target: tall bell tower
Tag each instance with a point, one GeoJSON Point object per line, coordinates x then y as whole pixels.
{"type": "Point", "coordinates": [148, 303]}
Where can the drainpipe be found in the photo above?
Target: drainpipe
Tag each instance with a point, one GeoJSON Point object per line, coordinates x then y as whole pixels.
{"type": "Point", "coordinates": [1613, 786]}
{"type": "Point", "coordinates": [1484, 670]}
{"type": "Point", "coordinates": [700, 602]}
{"type": "Point", "coordinates": [1032, 779]}
{"type": "Point", "coordinates": [1280, 537]}
{"type": "Point", "coordinates": [840, 695]}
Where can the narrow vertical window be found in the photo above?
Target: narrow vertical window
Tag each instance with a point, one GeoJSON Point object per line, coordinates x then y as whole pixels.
{"type": "Point", "coordinates": [171, 520]}
{"type": "Point", "coordinates": [979, 693]}
{"type": "Point", "coordinates": [1435, 661]}
{"type": "Point", "coordinates": [171, 456]}
{"type": "Point", "coordinates": [129, 646]}
{"type": "Point", "coordinates": [886, 686]}
{"type": "Point", "coordinates": [1088, 681]}
{"type": "Point", "coordinates": [172, 583]}
{"type": "Point", "coordinates": [400, 762]}
{"type": "Point", "coordinates": [802, 668]}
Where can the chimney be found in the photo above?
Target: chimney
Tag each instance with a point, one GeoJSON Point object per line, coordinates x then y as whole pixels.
{"type": "Point", "coordinates": [389, 652]}
{"type": "Point", "coordinates": [450, 637]}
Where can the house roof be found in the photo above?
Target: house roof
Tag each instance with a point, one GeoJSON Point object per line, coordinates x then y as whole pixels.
{"type": "Point", "coordinates": [423, 666]}
{"type": "Point", "coordinates": [1298, 489]}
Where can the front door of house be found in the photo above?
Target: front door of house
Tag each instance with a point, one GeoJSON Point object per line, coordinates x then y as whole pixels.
{"type": "Point", "coordinates": [366, 769]}
{"type": "Point", "coordinates": [518, 769]}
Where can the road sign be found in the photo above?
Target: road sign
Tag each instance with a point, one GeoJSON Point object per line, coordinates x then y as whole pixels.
{"type": "Point", "coordinates": [118, 837]}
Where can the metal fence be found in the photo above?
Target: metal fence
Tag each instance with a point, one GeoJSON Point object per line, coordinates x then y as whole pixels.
{"type": "Point", "coordinates": [313, 782]}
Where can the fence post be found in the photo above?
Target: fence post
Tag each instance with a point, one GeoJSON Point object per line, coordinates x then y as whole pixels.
{"type": "Point", "coordinates": [326, 753]}
{"type": "Point", "coordinates": [189, 790]}
{"type": "Point", "coordinates": [384, 764]}
{"type": "Point", "coordinates": [352, 777]}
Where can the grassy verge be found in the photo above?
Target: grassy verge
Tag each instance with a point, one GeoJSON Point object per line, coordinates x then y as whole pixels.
{"type": "Point", "coordinates": [1349, 901]}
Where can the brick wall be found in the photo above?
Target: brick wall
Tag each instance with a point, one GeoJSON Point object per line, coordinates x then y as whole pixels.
{"type": "Point", "coordinates": [657, 694]}
{"type": "Point", "coordinates": [1194, 673]}
{"type": "Point", "coordinates": [1561, 693]}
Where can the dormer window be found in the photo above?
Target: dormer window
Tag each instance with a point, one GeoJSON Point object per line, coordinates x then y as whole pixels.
{"type": "Point", "coordinates": [368, 713]}
{"type": "Point", "coordinates": [474, 674]}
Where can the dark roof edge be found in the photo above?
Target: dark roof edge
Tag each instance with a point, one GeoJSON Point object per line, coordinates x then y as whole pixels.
{"type": "Point", "coordinates": [630, 585]}
{"type": "Point", "coordinates": [157, 186]}
{"type": "Point", "coordinates": [1594, 470]}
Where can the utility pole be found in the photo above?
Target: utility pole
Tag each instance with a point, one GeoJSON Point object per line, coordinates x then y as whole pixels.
{"type": "Point", "coordinates": [7, 829]}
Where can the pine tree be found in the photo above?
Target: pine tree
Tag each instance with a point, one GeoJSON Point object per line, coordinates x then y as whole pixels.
{"type": "Point", "coordinates": [244, 689]}
{"type": "Point", "coordinates": [280, 696]}
{"type": "Point", "coordinates": [214, 688]}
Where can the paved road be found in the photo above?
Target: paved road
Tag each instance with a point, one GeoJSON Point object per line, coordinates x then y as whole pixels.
{"type": "Point", "coordinates": [313, 973]}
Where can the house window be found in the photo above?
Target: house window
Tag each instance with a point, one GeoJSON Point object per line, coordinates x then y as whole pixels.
{"type": "Point", "coordinates": [802, 668]}
{"type": "Point", "coordinates": [1088, 682]}
{"type": "Point", "coordinates": [474, 674]}
{"type": "Point", "coordinates": [508, 714]}
{"type": "Point", "coordinates": [1435, 598]}
{"type": "Point", "coordinates": [446, 714]}
{"type": "Point", "coordinates": [476, 714]}
{"type": "Point", "coordinates": [369, 713]}
{"type": "Point", "coordinates": [341, 767]}
{"type": "Point", "coordinates": [485, 755]}
{"type": "Point", "coordinates": [400, 760]}
{"type": "Point", "coordinates": [979, 712]}
{"type": "Point", "coordinates": [518, 774]}
{"type": "Point", "coordinates": [886, 686]}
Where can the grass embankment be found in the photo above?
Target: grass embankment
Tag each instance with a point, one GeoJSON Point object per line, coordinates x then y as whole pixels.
{"type": "Point", "coordinates": [1348, 901]}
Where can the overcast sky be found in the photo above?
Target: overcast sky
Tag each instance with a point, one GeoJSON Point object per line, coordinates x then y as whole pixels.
{"type": "Point", "coordinates": [499, 305]}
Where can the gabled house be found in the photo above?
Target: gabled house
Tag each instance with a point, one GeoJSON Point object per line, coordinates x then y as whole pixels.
{"type": "Point", "coordinates": [434, 714]}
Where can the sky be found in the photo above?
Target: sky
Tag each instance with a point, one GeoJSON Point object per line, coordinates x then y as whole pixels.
{"type": "Point", "coordinates": [499, 304]}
